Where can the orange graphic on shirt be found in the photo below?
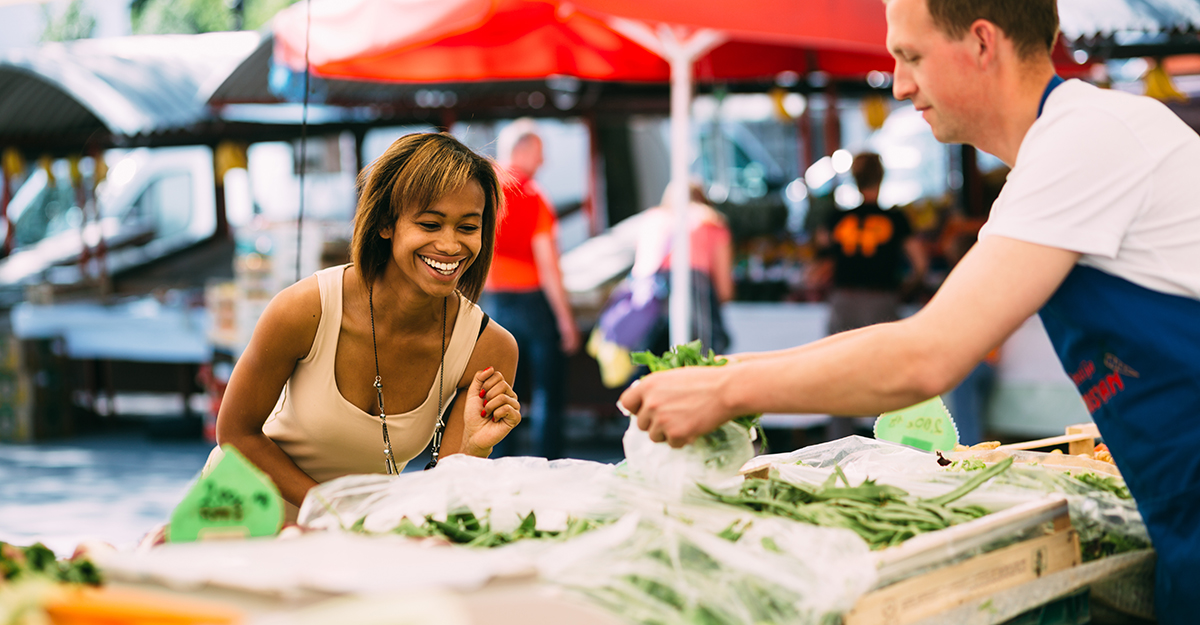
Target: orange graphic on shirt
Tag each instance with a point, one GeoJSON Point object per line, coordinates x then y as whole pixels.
{"type": "Point", "coordinates": [875, 231]}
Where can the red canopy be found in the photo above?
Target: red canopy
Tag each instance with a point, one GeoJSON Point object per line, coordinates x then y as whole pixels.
{"type": "Point", "coordinates": [461, 40]}
{"type": "Point", "coordinates": [847, 25]}
{"type": "Point", "coordinates": [465, 40]}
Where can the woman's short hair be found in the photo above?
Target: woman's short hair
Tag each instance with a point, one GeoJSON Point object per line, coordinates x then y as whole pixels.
{"type": "Point", "coordinates": [412, 175]}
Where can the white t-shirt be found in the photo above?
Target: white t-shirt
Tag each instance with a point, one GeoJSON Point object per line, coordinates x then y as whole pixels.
{"type": "Point", "coordinates": [1115, 177]}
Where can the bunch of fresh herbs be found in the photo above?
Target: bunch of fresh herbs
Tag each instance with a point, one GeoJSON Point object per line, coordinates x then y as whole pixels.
{"type": "Point", "coordinates": [693, 355]}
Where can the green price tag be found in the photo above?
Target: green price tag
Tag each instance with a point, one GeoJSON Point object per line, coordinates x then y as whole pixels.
{"type": "Point", "coordinates": [234, 500]}
{"type": "Point", "coordinates": [926, 425]}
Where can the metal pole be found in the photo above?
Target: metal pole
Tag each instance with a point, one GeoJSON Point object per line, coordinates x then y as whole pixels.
{"type": "Point", "coordinates": [679, 307]}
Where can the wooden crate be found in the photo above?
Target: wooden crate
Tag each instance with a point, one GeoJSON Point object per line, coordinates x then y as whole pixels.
{"type": "Point", "coordinates": [926, 588]}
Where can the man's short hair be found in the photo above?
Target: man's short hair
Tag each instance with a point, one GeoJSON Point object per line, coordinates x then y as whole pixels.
{"type": "Point", "coordinates": [1032, 25]}
{"type": "Point", "coordinates": [867, 169]}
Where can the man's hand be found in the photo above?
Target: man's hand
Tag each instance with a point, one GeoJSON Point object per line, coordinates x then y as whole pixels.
{"type": "Point", "coordinates": [679, 405]}
{"type": "Point", "coordinates": [492, 411]}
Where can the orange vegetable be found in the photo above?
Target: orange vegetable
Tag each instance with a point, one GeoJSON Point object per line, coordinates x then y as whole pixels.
{"type": "Point", "coordinates": [128, 606]}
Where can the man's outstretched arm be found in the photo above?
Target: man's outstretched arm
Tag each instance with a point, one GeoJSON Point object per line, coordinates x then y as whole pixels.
{"type": "Point", "coordinates": [999, 284]}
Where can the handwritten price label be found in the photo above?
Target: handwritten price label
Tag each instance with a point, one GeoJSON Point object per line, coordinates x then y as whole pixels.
{"type": "Point", "coordinates": [926, 425]}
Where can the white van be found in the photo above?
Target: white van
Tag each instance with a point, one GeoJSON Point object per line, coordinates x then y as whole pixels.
{"type": "Point", "coordinates": [154, 201]}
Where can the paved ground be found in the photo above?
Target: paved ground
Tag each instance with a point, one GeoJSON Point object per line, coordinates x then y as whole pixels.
{"type": "Point", "coordinates": [114, 486]}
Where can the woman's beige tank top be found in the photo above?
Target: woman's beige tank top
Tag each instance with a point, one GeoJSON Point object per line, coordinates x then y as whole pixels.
{"type": "Point", "coordinates": [326, 435]}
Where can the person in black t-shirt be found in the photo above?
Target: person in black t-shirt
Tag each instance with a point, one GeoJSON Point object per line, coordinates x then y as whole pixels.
{"type": "Point", "coordinates": [868, 246]}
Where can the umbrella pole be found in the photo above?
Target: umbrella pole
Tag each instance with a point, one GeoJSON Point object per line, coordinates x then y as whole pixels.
{"type": "Point", "coordinates": [681, 99]}
{"type": "Point", "coordinates": [681, 55]}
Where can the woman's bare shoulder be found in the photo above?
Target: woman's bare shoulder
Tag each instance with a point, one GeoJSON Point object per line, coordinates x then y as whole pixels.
{"type": "Point", "coordinates": [291, 319]}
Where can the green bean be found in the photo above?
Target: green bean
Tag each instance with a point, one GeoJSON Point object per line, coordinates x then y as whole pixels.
{"type": "Point", "coordinates": [973, 483]}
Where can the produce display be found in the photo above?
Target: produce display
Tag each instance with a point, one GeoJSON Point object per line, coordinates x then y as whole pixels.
{"type": "Point", "coordinates": [680, 536]}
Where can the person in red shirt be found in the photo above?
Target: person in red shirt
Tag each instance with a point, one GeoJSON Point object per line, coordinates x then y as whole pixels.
{"type": "Point", "coordinates": [524, 291]}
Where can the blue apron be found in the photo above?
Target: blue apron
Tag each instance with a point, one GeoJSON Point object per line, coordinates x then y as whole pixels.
{"type": "Point", "coordinates": [1134, 354]}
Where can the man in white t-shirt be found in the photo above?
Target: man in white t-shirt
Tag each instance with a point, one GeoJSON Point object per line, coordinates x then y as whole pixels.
{"type": "Point", "coordinates": [1097, 230]}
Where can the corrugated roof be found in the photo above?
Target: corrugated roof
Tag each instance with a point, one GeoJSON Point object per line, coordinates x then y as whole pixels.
{"type": "Point", "coordinates": [248, 81]}
{"type": "Point", "coordinates": [128, 86]}
{"type": "Point", "coordinates": [1093, 18]}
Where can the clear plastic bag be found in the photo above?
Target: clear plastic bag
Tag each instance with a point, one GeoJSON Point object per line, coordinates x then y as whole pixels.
{"type": "Point", "coordinates": [713, 459]}
{"type": "Point", "coordinates": [658, 569]}
{"type": "Point", "coordinates": [504, 491]}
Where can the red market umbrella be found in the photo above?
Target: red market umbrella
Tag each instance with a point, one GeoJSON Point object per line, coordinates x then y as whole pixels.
{"type": "Point", "coordinates": [459, 40]}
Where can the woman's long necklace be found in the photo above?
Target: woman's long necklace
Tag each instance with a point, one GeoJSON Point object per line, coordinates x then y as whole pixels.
{"type": "Point", "coordinates": [389, 460]}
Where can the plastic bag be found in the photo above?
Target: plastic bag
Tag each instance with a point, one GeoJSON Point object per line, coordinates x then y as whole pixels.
{"type": "Point", "coordinates": [657, 569]}
{"type": "Point", "coordinates": [504, 491]}
{"type": "Point", "coordinates": [713, 459]}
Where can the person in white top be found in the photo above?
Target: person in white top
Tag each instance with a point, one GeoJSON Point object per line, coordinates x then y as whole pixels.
{"type": "Point", "coordinates": [1097, 230]}
{"type": "Point", "coordinates": [348, 371]}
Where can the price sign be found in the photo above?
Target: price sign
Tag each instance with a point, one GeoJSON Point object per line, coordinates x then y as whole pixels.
{"type": "Point", "coordinates": [926, 425]}
{"type": "Point", "coordinates": [234, 500]}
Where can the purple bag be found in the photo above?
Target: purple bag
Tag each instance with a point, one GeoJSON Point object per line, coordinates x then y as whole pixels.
{"type": "Point", "coordinates": [633, 310]}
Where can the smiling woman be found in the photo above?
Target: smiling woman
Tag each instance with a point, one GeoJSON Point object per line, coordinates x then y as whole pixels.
{"type": "Point", "coordinates": [398, 327]}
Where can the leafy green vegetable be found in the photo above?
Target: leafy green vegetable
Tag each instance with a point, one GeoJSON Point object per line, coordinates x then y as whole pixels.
{"type": "Point", "coordinates": [36, 560]}
{"type": "Point", "coordinates": [692, 355]}
{"type": "Point", "coordinates": [464, 528]}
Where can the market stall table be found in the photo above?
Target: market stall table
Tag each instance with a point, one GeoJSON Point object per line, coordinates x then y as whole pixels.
{"type": "Point", "coordinates": [137, 346]}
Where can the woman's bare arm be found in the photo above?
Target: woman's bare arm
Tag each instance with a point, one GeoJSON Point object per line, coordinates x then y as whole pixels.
{"type": "Point", "coordinates": [475, 424]}
{"type": "Point", "coordinates": [284, 335]}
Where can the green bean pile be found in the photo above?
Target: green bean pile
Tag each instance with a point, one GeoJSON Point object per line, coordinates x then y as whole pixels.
{"type": "Point", "coordinates": [882, 515]}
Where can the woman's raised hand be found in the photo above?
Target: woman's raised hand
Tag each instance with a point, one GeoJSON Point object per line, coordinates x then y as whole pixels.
{"type": "Point", "coordinates": [492, 411]}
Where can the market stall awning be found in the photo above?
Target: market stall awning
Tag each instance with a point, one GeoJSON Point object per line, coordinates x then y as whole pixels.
{"type": "Point", "coordinates": [126, 86]}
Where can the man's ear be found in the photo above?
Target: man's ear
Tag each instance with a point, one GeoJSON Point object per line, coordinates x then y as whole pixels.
{"type": "Point", "coordinates": [985, 36]}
